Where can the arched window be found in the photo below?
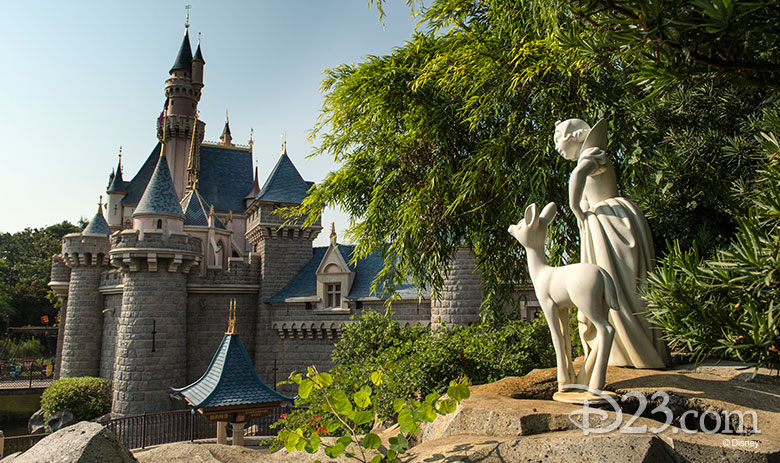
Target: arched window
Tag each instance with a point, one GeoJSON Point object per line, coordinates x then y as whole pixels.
{"type": "Point", "coordinates": [159, 224]}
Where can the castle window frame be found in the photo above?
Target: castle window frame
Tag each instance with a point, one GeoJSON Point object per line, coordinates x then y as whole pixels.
{"type": "Point", "coordinates": [333, 290]}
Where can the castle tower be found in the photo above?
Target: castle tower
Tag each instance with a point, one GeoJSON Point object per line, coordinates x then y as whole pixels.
{"type": "Point", "coordinates": [461, 293]}
{"type": "Point", "coordinates": [226, 138]}
{"type": "Point", "coordinates": [115, 192]}
{"type": "Point", "coordinates": [155, 257]}
{"type": "Point", "coordinates": [179, 128]}
{"type": "Point", "coordinates": [283, 250]}
{"type": "Point", "coordinates": [86, 254]}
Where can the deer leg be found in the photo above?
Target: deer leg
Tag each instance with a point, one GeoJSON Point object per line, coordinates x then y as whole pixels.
{"type": "Point", "coordinates": [605, 333]}
{"type": "Point", "coordinates": [564, 324]}
{"type": "Point", "coordinates": [553, 316]}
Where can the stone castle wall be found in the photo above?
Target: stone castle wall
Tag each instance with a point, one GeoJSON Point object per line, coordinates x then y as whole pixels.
{"type": "Point", "coordinates": [461, 294]}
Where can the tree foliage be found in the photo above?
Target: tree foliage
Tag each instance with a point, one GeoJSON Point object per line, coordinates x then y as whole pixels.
{"type": "Point", "coordinates": [445, 140]}
{"type": "Point", "coordinates": [25, 266]}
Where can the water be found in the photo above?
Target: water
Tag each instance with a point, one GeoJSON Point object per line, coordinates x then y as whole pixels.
{"type": "Point", "coordinates": [15, 410]}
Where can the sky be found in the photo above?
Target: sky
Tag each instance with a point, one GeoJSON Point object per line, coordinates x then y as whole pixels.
{"type": "Point", "coordinates": [81, 78]}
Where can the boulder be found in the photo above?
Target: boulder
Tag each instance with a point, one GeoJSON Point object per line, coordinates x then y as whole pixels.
{"type": "Point", "coordinates": [36, 424]}
{"type": "Point", "coordinates": [199, 453]}
{"type": "Point", "coordinates": [60, 419]}
{"type": "Point", "coordinates": [83, 442]}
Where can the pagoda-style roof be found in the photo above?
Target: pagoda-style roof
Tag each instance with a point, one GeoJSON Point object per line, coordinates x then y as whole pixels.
{"type": "Point", "coordinates": [230, 382]}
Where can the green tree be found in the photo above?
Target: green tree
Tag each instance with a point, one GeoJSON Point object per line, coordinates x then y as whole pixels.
{"type": "Point", "coordinates": [444, 141]}
{"type": "Point", "coordinates": [25, 266]}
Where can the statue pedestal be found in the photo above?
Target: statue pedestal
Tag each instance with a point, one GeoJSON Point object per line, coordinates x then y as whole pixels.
{"type": "Point", "coordinates": [580, 398]}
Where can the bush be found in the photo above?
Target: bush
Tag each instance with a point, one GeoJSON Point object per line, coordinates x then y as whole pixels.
{"type": "Point", "coordinates": [415, 362]}
{"type": "Point", "coordinates": [727, 306]}
{"type": "Point", "coordinates": [86, 397]}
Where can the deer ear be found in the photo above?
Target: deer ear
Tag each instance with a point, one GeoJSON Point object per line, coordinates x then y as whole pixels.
{"type": "Point", "coordinates": [530, 214]}
{"type": "Point", "coordinates": [548, 213]}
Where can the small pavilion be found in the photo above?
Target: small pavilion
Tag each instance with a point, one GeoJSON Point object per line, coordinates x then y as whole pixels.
{"type": "Point", "coordinates": [230, 391]}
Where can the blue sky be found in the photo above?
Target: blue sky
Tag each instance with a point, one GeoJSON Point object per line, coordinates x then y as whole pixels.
{"type": "Point", "coordinates": [82, 78]}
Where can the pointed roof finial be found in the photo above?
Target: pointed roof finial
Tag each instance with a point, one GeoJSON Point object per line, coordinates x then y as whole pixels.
{"type": "Point", "coordinates": [231, 331]}
{"type": "Point", "coordinates": [251, 139]}
{"type": "Point", "coordinates": [120, 156]}
{"type": "Point", "coordinates": [187, 20]}
{"type": "Point", "coordinates": [333, 233]}
{"type": "Point", "coordinates": [284, 143]}
{"type": "Point", "coordinates": [211, 210]}
{"type": "Point", "coordinates": [100, 204]}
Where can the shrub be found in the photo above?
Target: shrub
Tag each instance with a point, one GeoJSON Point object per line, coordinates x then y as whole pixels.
{"type": "Point", "coordinates": [22, 349]}
{"type": "Point", "coordinates": [86, 397]}
{"type": "Point", "coordinates": [726, 306]}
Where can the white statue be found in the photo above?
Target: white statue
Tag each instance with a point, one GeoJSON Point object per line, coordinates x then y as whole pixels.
{"type": "Point", "coordinates": [615, 236]}
{"type": "Point", "coordinates": [584, 286]}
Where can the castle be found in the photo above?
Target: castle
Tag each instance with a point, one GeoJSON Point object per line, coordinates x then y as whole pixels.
{"type": "Point", "coordinates": [145, 286]}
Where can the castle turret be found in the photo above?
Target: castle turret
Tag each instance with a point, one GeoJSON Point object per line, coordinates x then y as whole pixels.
{"type": "Point", "coordinates": [226, 138]}
{"type": "Point", "coordinates": [155, 257]}
{"type": "Point", "coordinates": [86, 254]}
{"type": "Point", "coordinates": [179, 128]}
{"type": "Point", "coordinates": [461, 293]}
{"type": "Point", "coordinates": [284, 246]}
{"type": "Point", "coordinates": [116, 191]}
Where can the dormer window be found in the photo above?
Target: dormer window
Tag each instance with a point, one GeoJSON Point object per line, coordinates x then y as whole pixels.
{"type": "Point", "coordinates": [334, 295]}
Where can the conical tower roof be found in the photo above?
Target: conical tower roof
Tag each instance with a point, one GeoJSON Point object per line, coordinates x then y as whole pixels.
{"type": "Point", "coordinates": [98, 224]}
{"type": "Point", "coordinates": [184, 58]}
{"type": "Point", "coordinates": [198, 55]}
{"type": "Point", "coordinates": [160, 195]}
{"type": "Point", "coordinates": [196, 210]}
{"type": "Point", "coordinates": [117, 184]}
{"type": "Point", "coordinates": [285, 184]}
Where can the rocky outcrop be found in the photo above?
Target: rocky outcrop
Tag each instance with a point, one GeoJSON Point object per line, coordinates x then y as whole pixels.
{"type": "Point", "coordinates": [82, 442]}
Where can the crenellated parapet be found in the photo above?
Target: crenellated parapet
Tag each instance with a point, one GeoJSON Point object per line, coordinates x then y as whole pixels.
{"type": "Point", "coordinates": [84, 250]}
{"type": "Point", "coordinates": [136, 250]}
{"type": "Point", "coordinates": [180, 126]}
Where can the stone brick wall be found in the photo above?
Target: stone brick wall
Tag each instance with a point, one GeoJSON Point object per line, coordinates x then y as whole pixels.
{"type": "Point", "coordinates": [298, 354]}
{"type": "Point", "coordinates": [148, 364]}
{"type": "Point", "coordinates": [207, 321]}
{"type": "Point", "coordinates": [59, 283]}
{"type": "Point", "coordinates": [81, 343]}
{"type": "Point", "coordinates": [112, 304]}
{"type": "Point", "coordinates": [281, 259]}
{"type": "Point", "coordinates": [461, 293]}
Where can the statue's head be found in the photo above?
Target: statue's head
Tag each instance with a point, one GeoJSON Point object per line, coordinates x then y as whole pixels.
{"type": "Point", "coordinates": [569, 137]}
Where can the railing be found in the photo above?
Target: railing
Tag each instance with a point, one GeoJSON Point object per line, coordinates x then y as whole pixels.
{"type": "Point", "coordinates": [141, 431]}
{"type": "Point", "coordinates": [21, 443]}
{"type": "Point", "coordinates": [26, 373]}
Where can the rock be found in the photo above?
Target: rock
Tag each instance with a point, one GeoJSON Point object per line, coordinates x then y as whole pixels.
{"type": "Point", "coordinates": [36, 423]}
{"type": "Point", "coordinates": [199, 453]}
{"type": "Point", "coordinates": [60, 419]}
{"type": "Point", "coordinates": [83, 442]}
{"type": "Point", "coordinates": [508, 421]}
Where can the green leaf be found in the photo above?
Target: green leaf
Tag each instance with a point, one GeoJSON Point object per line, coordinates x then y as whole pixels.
{"type": "Point", "coordinates": [341, 403]}
{"type": "Point", "coordinates": [305, 388]}
{"type": "Point", "coordinates": [315, 442]}
{"type": "Point", "coordinates": [363, 417]}
{"type": "Point", "coordinates": [332, 425]}
{"type": "Point", "coordinates": [376, 378]}
{"type": "Point", "coordinates": [377, 458]}
{"type": "Point", "coordinates": [363, 397]}
{"type": "Point", "coordinates": [325, 379]}
{"type": "Point", "coordinates": [398, 404]}
{"type": "Point", "coordinates": [371, 441]}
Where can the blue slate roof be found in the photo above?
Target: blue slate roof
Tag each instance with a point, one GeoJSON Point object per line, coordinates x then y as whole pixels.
{"type": "Point", "coordinates": [135, 188]}
{"type": "Point", "coordinates": [229, 380]}
{"type": "Point", "coordinates": [304, 284]}
{"type": "Point", "coordinates": [198, 54]}
{"type": "Point", "coordinates": [117, 183]}
{"type": "Point", "coordinates": [184, 58]}
{"type": "Point", "coordinates": [285, 184]}
{"type": "Point", "coordinates": [196, 210]}
{"type": "Point", "coordinates": [225, 177]}
{"type": "Point", "coordinates": [98, 225]}
{"type": "Point", "coordinates": [160, 195]}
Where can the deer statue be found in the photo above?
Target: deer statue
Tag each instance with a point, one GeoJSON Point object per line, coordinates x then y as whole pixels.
{"type": "Point", "coordinates": [585, 286]}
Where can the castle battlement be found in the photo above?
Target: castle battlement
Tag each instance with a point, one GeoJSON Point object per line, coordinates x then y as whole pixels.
{"type": "Point", "coordinates": [85, 250]}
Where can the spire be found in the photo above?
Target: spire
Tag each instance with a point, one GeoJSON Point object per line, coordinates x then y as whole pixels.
{"type": "Point", "coordinates": [232, 331]}
{"type": "Point", "coordinates": [117, 183]}
{"type": "Point", "coordinates": [184, 58]}
{"type": "Point", "coordinates": [198, 55]}
{"type": "Point", "coordinates": [333, 233]}
{"type": "Point", "coordinates": [98, 224]}
{"type": "Point", "coordinates": [226, 138]}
